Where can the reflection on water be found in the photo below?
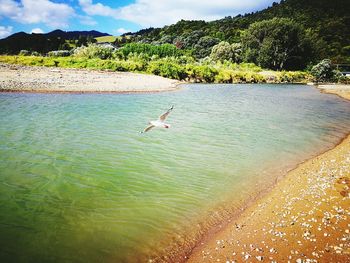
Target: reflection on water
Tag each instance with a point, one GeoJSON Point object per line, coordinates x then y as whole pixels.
{"type": "Point", "coordinates": [78, 183]}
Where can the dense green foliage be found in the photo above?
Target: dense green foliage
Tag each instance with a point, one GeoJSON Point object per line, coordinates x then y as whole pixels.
{"type": "Point", "coordinates": [180, 68]}
{"type": "Point", "coordinates": [226, 51]}
{"type": "Point", "coordinates": [59, 53]}
{"type": "Point", "coordinates": [325, 22]}
{"type": "Point", "coordinates": [165, 50]}
{"type": "Point", "coordinates": [24, 52]}
{"type": "Point", "coordinates": [94, 51]}
{"type": "Point", "coordinates": [167, 68]}
{"type": "Point", "coordinates": [278, 43]}
{"type": "Point", "coordinates": [292, 35]}
{"type": "Point", "coordinates": [325, 72]}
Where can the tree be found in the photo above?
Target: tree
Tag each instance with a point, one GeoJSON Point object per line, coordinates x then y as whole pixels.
{"type": "Point", "coordinates": [166, 39]}
{"type": "Point", "coordinates": [82, 41]}
{"type": "Point", "coordinates": [204, 46]}
{"type": "Point", "coordinates": [278, 43]}
{"type": "Point", "coordinates": [64, 46]}
{"type": "Point", "coordinates": [324, 72]}
{"type": "Point", "coordinates": [90, 39]}
{"type": "Point", "coordinates": [190, 39]}
{"type": "Point", "coordinates": [226, 51]}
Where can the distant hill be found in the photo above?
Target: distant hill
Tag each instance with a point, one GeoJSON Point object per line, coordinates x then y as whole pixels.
{"type": "Point", "coordinates": [75, 34]}
{"type": "Point", "coordinates": [328, 20]}
{"type": "Point", "coordinates": [43, 43]}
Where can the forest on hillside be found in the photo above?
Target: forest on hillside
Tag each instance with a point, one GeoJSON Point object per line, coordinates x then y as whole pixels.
{"type": "Point", "coordinates": [290, 35]}
{"type": "Point", "coordinates": [325, 25]}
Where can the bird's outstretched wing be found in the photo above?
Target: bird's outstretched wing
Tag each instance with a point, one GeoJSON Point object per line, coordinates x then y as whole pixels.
{"type": "Point", "coordinates": [147, 128]}
{"type": "Point", "coordinates": [164, 115]}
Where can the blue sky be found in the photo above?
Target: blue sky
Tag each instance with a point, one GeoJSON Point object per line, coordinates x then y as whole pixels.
{"type": "Point", "coordinates": [113, 16]}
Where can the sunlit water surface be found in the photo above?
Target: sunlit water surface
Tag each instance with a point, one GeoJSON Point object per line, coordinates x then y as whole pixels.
{"type": "Point", "coordinates": [79, 183]}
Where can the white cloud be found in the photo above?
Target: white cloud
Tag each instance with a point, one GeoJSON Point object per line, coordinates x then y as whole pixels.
{"type": "Point", "coordinates": [97, 9]}
{"type": "Point", "coordinates": [163, 12]}
{"type": "Point", "coordinates": [37, 11]}
{"type": "Point", "coordinates": [37, 31]}
{"type": "Point", "coordinates": [8, 8]}
{"type": "Point", "coordinates": [87, 20]}
{"type": "Point", "coordinates": [5, 31]}
{"type": "Point", "coordinates": [122, 30]}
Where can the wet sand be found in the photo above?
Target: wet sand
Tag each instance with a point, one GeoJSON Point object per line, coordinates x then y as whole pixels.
{"type": "Point", "coordinates": [17, 78]}
{"type": "Point", "coordinates": [305, 218]}
{"type": "Point", "coordinates": [337, 89]}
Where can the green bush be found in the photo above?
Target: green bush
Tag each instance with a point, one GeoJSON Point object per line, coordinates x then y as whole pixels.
{"type": "Point", "coordinates": [50, 63]}
{"type": "Point", "coordinates": [94, 51]}
{"type": "Point", "coordinates": [231, 76]}
{"type": "Point", "coordinates": [247, 67]}
{"type": "Point", "coordinates": [180, 68]}
{"type": "Point", "coordinates": [324, 72]}
{"type": "Point", "coordinates": [345, 80]}
{"type": "Point", "coordinates": [133, 65]}
{"type": "Point", "coordinates": [167, 69]}
{"type": "Point", "coordinates": [224, 76]}
{"type": "Point", "coordinates": [226, 51]}
{"type": "Point", "coordinates": [241, 77]}
{"type": "Point", "coordinates": [204, 46]}
{"type": "Point", "coordinates": [141, 60]}
{"type": "Point", "coordinates": [292, 76]}
{"type": "Point", "coordinates": [35, 54]}
{"type": "Point", "coordinates": [184, 60]}
{"type": "Point", "coordinates": [162, 51]}
{"type": "Point", "coordinates": [202, 73]}
{"type": "Point", "coordinates": [59, 53]}
{"type": "Point", "coordinates": [24, 52]}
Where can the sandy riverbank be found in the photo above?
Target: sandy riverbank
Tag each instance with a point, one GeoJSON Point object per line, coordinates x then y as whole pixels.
{"type": "Point", "coordinates": [337, 89]}
{"type": "Point", "coordinates": [305, 218]}
{"type": "Point", "coordinates": [48, 79]}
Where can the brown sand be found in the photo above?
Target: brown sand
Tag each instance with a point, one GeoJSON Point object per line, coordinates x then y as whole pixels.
{"type": "Point", "coordinates": [305, 218]}
{"type": "Point", "coordinates": [337, 89]}
{"type": "Point", "coordinates": [47, 79]}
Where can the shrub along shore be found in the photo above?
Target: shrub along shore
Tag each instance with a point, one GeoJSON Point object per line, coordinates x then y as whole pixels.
{"type": "Point", "coordinates": [223, 65]}
{"type": "Point", "coordinates": [177, 68]}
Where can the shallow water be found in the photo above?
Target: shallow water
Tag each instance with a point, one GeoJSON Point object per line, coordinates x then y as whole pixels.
{"type": "Point", "coordinates": [78, 183]}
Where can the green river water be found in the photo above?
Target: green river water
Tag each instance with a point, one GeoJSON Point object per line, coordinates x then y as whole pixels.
{"type": "Point", "coordinates": [79, 183]}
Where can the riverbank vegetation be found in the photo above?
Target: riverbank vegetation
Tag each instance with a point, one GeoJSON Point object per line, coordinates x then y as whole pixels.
{"type": "Point", "coordinates": [266, 46]}
{"type": "Point", "coordinates": [225, 64]}
{"type": "Point", "coordinates": [316, 28]}
{"type": "Point", "coordinates": [179, 68]}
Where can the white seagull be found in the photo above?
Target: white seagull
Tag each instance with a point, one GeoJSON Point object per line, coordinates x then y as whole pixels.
{"type": "Point", "coordinates": [160, 122]}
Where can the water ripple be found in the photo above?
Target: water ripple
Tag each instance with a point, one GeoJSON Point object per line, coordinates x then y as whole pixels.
{"type": "Point", "coordinates": [76, 175]}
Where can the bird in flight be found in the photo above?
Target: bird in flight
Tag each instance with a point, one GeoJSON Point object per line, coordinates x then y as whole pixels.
{"type": "Point", "coordinates": [160, 122]}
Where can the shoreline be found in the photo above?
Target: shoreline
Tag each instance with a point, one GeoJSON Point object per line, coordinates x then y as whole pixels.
{"type": "Point", "coordinates": [236, 220]}
{"type": "Point", "coordinates": [33, 79]}
{"type": "Point", "coordinates": [218, 227]}
{"type": "Point", "coordinates": [41, 91]}
{"type": "Point", "coordinates": [342, 91]}
{"type": "Point", "coordinates": [237, 240]}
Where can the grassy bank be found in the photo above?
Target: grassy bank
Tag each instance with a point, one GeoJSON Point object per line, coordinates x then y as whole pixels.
{"type": "Point", "coordinates": [179, 68]}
